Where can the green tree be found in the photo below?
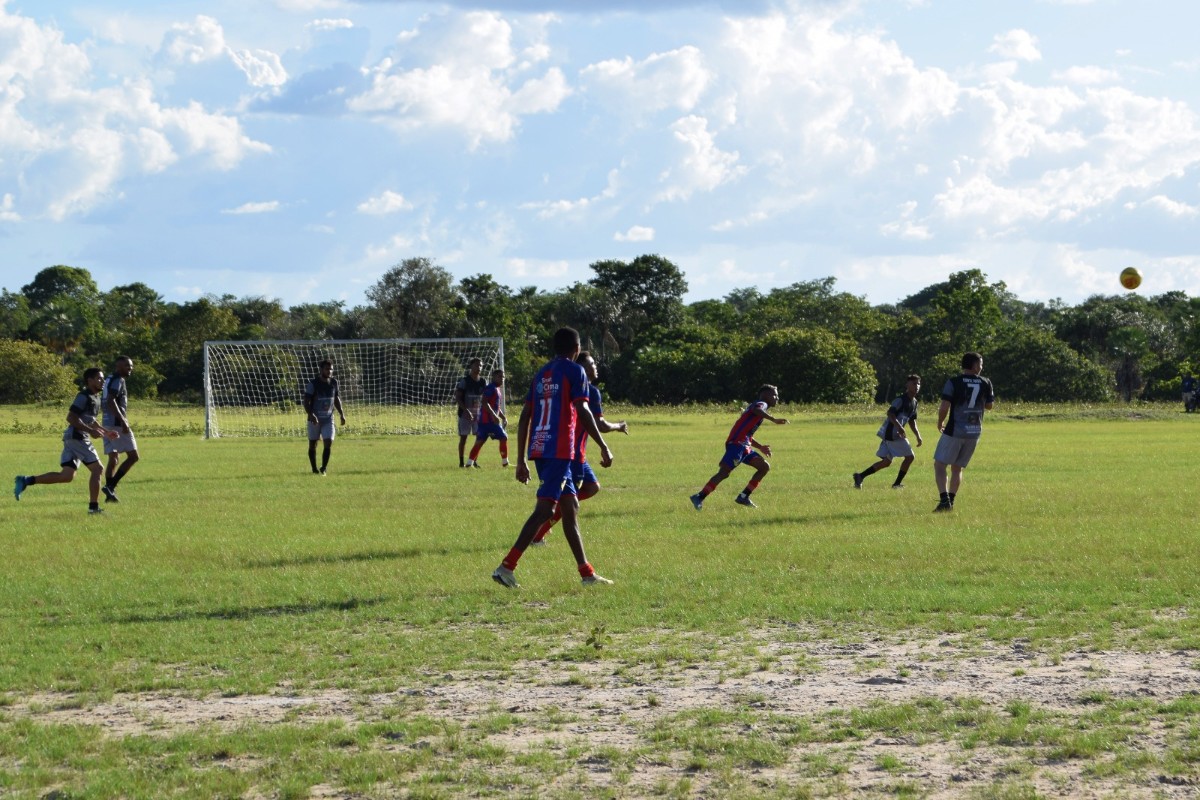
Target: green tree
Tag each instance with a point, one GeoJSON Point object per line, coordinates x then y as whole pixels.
{"type": "Point", "coordinates": [1028, 363]}
{"type": "Point", "coordinates": [645, 292]}
{"type": "Point", "coordinates": [181, 340]}
{"type": "Point", "coordinates": [15, 316]}
{"type": "Point", "coordinates": [60, 281]}
{"type": "Point", "coordinates": [29, 373]}
{"type": "Point", "coordinates": [416, 299]}
{"type": "Point", "coordinates": [808, 366]}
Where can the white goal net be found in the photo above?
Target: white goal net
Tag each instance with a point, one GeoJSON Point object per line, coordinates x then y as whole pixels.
{"type": "Point", "coordinates": [387, 385]}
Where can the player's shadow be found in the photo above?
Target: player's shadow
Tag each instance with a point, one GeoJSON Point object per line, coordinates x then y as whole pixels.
{"type": "Point", "coordinates": [366, 555]}
{"type": "Point", "coordinates": [284, 610]}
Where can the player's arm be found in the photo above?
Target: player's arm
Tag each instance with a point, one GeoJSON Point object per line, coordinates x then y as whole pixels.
{"type": "Point", "coordinates": [757, 445]}
{"type": "Point", "coordinates": [95, 429]}
{"type": "Point", "coordinates": [912, 423]}
{"type": "Point", "coordinates": [308, 408]}
{"type": "Point", "coordinates": [894, 421]}
{"type": "Point", "coordinates": [523, 425]}
{"type": "Point", "coordinates": [608, 427]}
{"type": "Point", "coordinates": [337, 403]}
{"type": "Point", "coordinates": [762, 412]}
{"type": "Point", "coordinates": [589, 424]}
{"type": "Point", "coordinates": [460, 397]}
{"type": "Point", "coordinates": [943, 410]}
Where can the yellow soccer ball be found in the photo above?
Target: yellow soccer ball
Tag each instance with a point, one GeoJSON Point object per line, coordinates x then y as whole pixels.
{"type": "Point", "coordinates": [1131, 278]}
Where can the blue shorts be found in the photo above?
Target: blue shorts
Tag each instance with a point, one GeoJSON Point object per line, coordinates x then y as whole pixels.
{"type": "Point", "coordinates": [738, 454]}
{"type": "Point", "coordinates": [557, 477]}
{"type": "Point", "coordinates": [491, 429]}
{"type": "Point", "coordinates": [584, 474]}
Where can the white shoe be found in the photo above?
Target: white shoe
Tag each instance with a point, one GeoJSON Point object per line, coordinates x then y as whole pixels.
{"type": "Point", "coordinates": [504, 576]}
{"type": "Point", "coordinates": [596, 580]}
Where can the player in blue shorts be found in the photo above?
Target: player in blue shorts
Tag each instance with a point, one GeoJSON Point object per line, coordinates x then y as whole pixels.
{"type": "Point", "coordinates": [740, 446]}
{"type": "Point", "coordinates": [556, 406]}
{"type": "Point", "coordinates": [586, 480]}
{"type": "Point", "coordinates": [492, 420]}
{"type": "Point", "coordinates": [77, 443]}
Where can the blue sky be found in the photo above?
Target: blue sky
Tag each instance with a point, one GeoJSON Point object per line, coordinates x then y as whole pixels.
{"type": "Point", "coordinates": [296, 149]}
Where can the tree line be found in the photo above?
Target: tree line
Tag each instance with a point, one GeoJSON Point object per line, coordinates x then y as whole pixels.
{"type": "Point", "coordinates": [816, 343]}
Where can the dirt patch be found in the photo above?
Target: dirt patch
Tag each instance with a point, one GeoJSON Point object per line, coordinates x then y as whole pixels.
{"type": "Point", "coordinates": [599, 707]}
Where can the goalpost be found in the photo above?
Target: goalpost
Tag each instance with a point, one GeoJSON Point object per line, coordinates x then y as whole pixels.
{"type": "Point", "coordinates": [256, 388]}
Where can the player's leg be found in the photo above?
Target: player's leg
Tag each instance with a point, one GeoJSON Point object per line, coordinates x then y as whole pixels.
{"type": "Point", "coordinates": [730, 460]}
{"type": "Point", "coordinates": [111, 470]}
{"type": "Point", "coordinates": [574, 537]}
{"type": "Point", "coordinates": [502, 439]}
{"type": "Point", "coordinates": [312, 455]}
{"type": "Point", "coordinates": [462, 450]}
{"type": "Point", "coordinates": [904, 465]}
{"type": "Point", "coordinates": [881, 464]}
{"type": "Point", "coordinates": [939, 476]}
{"type": "Point", "coordinates": [555, 476]}
{"type": "Point", "coordinates": [761, 468]}
{"type": "Point", "coordinates": [955, 481]}
{"type": "Point", "coordinates": [473, 458]}
{"type": "Point", "coordinates": [589, 486]}
{"type": "Point", "coordinates": [94, 481]}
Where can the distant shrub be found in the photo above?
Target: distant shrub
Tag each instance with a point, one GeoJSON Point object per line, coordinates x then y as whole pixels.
{"type": "Point", "coordinates": [29, 373]}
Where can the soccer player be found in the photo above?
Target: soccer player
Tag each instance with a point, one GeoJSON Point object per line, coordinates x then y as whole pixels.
{"type": "Point", "coordinates": [902, 411]}
{"type": "Point", "coordinates": [321, 398]}
{"type": "Point", "coordinates": [960, 419]}
{"type": "Point", "coordinates": [492, 420]}
{"type": "Point", "coordinates": [77, 443]}
{"type": "Point", "coordinates": [557, 404]}
{"type": "Point", "coordinates": [468, 394]}
{"type": "Point", "coordinates": [114, 402]}
{"type": "Point", "coordinates": [589, 484]}
{"type": "Point", "coordinates": [740, 446]}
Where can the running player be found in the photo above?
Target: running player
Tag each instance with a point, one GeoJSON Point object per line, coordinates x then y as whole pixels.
{"type": "Point", "coordinates": [740, 446]}
{"type": "Point", "coordinates": [492, 420]}
{"type": "Point", "coordinates": [557, 404]}
{"type": "Point", "coordinates": [321, 398]}
{"type": "Point", "coordinates": [77, 443]}
{"type": "Point", "coordinates": [589, 484]}
{"type": "Point", "coordinates": [903, 411]}
{"type": "Point", "coordinates": [114, 402]}
{"type": "Point", "coordinates": [960, 419]}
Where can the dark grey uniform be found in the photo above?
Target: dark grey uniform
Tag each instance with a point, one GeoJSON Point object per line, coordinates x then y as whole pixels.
{"type": "Point", "coordinates": [77, 444]}
{"type": "Point", "coordinates": [114, 387]}
{"type": "Point", "coordinates": [968, 396]}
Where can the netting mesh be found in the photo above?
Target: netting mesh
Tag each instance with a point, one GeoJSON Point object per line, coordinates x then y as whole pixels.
{"type": "Point", "coordinates": [386, 385]}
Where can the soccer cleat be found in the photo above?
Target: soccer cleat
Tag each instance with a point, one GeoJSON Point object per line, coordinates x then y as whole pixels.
{"type": "Point", "coordinates": [322, 472]}
{"type": "Point", "coordinates": [698, 501]}
{"type": "Point", "coordinates": [897, 485]}
{"type": "Point", "coordinates": [596, 580]}
{"type": "Point", "coordinates": [474, 464]}
{"type": "Point", "coordinates": [109, 495]}
{"type": "Point", "coordinates": [504, 576]}
{"type": "Point", "coordinates": [943, 505]}
{"type": "Point", "coordinates": [96, 510]}
{"type": "Point", "coordinates": [744, 500]}
{"type": "Point", "coordinates": [504, 463]}
{"type": "Point", "coordinates": [538, 543]}
{"type": "Point", "coordinates": [858, 479]}
{"type": "Point", "coordinates": [19, 486]}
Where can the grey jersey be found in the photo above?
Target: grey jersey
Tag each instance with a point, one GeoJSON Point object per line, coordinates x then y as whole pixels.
{"type": "Point", "coordinates": [906, 409]}
{"type": "Point", "coordinates": [472, 392]}
{"type": "Point", "coordinates": [968, 395]}
{"type": "Point", "coordinates": [114, 388]}
{"type": "Point", "coordinates": [321, 396]}
{"type": "Point", "coordinates": [87, 408]}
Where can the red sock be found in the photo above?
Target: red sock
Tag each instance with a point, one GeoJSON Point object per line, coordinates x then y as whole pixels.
{"type": "Point", "coordinates": [708, 489]}
{"type": "Point", "coordinates": [475, 450]}
{"type": "Point", "coordinates": [510, 560]}
{"type": "Point", "coordinates": [548, 524]}
{"type": "Point", "coordinates": [750, 487]}
{"type": "Point", "coordinates": [586, 570]}
{"type": "Point", "coordinates": [504, 449]}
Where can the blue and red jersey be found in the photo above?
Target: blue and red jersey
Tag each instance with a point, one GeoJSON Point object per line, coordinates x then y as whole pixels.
{"type": "Point", "coordinates": [743, 430]}
{"type": "Point", "coordinates": [581, 434]}
{"type": "Point", "coordinates": [491, 399]}
{"type": "Point", "coordinates": [555, 390]}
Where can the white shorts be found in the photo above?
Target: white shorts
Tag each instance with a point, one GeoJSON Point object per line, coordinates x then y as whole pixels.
{"type": "Point", "coordinates": [955, 451]}
{"type": "Point", "coordinates": [75, 451]}
{"type": "Point", "coordinates": [125, 443]}
{"type": "Point", "coordinates": [897, 448]}
{"type": "Point", "coordinates": [468, 426]}
{"type": "Point", "coordinates": [321, 429]}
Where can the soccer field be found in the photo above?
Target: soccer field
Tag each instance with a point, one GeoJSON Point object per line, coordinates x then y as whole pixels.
{"type": "Point", "coordinates": [239, 627]}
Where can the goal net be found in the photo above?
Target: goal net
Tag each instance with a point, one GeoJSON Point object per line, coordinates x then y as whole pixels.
{"type": "Point", "coordinates": [256, 388]}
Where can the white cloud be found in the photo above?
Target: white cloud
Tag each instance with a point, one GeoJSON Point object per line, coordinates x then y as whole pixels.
{"type": "Point", "coordinates": [267, 207]}
{"type": "Point", "coordinates": [395, 247]}
{"type": "Point", "coordinates": [1172, 207]}
{"type": "Point", "coordinates": [675, 79]}
{"type": "Point", "coordinates": [387, 203]}
{"type": "Point", "coordinates": [307, 6]}
{"type": "Point", "coordinates": [703, 166]}
{"type": "Point", "coordinates": [1017, 43]}
{"type": "Point", "coordinates": [906, 227]}
{"type": "Point", "coordinates": [329, 24]}
{"type": "Point", "coordinates": [201, 40]}
{"type": "Point", "coordinates": [7, 212]}
{"type": "Point", "coordinates": [261, 67]}
{"type": "Point", "coordinates": [468, 79]}
{"type": "Point", "coordinates": [637, 233]}
{"type": "Point", "coordinates": [1087, 76]}
{"type": "Point", "coordinates": [536, 268]}
{"type": "Point", "coordinates": [554, 208]}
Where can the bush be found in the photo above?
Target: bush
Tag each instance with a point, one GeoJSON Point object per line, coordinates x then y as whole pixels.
{"type": "Point", "coordinates": [808, 366]}
{"type": "Point", "coordinates": [29, 373]}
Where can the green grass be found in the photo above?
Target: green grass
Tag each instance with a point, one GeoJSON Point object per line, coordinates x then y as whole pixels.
{"type": "Point", "coordinates": [229, 570]}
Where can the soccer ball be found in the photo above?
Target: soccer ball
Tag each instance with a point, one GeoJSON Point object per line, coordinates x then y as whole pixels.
{"type": "Point", "coordinates": [1131, 278]}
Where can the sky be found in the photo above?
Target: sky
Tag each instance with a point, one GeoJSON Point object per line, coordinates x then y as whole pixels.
{"type": "Point", "coordinates": [297, 149]}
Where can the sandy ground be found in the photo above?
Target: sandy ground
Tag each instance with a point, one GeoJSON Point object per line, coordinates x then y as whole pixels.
{"type": "Point", "coordinates": [606, 707]}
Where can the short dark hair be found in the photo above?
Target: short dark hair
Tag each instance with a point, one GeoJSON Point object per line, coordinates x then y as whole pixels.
{"type": "Point", "coordinates": [913, 377]}
{"type": "Point", "coordinates": [325, 362]}
{"type": "Point", "coordinates": [971, 360]}
{"type": "Point", "coordinates": [123, 358]}
{"type": "Point", "coordinates": [584, 355]}
{"type": "Point", "coordinates": [768, 387]}
{"type": "Point", "coordinates": [566, 341]}
{"type": "Point", "coordinates": [92, 372]}
{"type": "Point", "coordinates": [478, 361]}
